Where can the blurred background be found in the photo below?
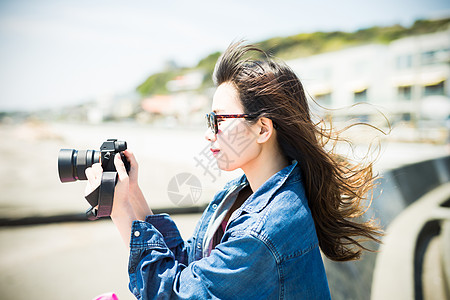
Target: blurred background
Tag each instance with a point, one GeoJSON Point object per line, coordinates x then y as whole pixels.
{"type": "Point", "coordinates": [75, 73]}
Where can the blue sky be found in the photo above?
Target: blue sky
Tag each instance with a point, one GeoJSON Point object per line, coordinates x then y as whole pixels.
{"type": "Point", "coordinates": [56, 52]}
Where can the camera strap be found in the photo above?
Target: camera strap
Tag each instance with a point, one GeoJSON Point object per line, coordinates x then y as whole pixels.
{"type": "Point", "coordinates": [101, 199]}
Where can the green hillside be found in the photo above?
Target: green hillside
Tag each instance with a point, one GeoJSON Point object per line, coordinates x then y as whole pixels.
{"type": "Point", "coordinates": [301, 45]}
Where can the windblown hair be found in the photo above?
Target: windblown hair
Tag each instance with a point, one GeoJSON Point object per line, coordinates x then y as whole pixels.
{"type": "Point", "coordinates": [334, 186]}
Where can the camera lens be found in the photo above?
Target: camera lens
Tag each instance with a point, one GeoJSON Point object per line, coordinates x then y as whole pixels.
{"type": "Point", "coordinates": [72, 163]}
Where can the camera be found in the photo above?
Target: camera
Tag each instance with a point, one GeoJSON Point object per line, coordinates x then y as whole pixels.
{"type": "Point", "coordinates": [73, 163]}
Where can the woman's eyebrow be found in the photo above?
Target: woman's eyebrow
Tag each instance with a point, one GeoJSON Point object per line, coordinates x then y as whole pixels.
{"type": "Point", "coordinates": [217, 111]}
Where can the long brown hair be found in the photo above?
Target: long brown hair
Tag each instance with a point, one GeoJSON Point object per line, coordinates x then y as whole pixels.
{"type": "Point", "coordinates": [334, 186]}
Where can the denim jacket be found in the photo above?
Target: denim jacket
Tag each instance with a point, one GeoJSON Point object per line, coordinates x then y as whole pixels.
{"type": "Point", "coordinates": [269, 249]}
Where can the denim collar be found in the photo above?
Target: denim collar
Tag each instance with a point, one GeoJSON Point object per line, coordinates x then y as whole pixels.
{"type": "Point", "coordinates": [262, 196]}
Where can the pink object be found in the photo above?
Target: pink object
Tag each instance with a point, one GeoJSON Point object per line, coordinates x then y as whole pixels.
{"type": "Point", "coordinates": [107, 296]}
{"type": "Point", "coordinates": [224, 224]}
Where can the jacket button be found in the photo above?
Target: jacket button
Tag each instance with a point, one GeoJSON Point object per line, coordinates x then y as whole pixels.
{"type": "Point", "coordinates": [137, 233]}
{"type": "Point", "coordinates": [199, 246]}
{"type": "Point", "coordinates": [214, 206]}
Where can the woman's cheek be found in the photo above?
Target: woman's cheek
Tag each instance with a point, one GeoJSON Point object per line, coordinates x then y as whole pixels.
{"type": "Point", "coordinates": [235, 150]}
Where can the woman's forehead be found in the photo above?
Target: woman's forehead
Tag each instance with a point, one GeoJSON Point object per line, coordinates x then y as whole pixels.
{"type": "Point", "coordinates": [226, 99]}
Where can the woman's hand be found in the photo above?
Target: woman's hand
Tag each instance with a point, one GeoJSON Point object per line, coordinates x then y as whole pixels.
{"type": "Point", "coordinates": [122, 190]}
{"type": "Point", "coordinates": [134, 167]}
{"type": "Point", "coordinates": [129, 203]}
{"type": "Point", "coordinates": [140, 206]}
{"type": "Point", "coordinates": [122, 212]}
{"type": "Point", "coordinates": [94, 176]}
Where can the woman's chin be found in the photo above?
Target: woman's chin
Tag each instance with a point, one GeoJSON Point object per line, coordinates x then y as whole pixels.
{"type": "Point", "coordinates": [227, 167]}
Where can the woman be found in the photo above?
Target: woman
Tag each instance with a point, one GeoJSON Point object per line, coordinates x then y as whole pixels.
{"type": "Point", "coordinates": [259, 238]}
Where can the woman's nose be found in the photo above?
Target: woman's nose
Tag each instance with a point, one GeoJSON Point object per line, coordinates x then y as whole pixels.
{"type": "Point", "coordinates": [210, 136]}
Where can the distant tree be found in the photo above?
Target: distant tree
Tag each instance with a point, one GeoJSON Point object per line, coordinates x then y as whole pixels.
{"type": "Point", "coordinates": [156, 83]}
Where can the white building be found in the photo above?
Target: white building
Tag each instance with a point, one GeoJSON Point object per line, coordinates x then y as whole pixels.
{"type": "Point", "coordinates": [400, 78]}
{"type": "Point", "coordinates": [419, 75]}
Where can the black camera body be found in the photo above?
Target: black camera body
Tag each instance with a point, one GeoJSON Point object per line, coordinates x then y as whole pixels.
{"type": "Point", "coordinates": [73, 163]}
{"type": "Point", "coordinates": [107, 152]}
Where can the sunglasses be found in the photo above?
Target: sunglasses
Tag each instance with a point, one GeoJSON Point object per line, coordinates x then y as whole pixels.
{"type": "Point", "coordinates": [211, 119]}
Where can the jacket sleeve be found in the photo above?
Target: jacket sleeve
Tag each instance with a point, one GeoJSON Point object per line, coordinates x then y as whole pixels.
{"type": "Point", "coordinates": [243, 265]}
{"type": "Point", "coordinates": [167, 228]}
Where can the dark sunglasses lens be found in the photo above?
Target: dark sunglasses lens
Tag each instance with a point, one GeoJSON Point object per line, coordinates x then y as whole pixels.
{"type": "Point", "coordinates": [210, 122]}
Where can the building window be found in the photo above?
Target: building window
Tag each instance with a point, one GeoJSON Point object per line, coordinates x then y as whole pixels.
{"type": "Point", "coordinates": [435, 89]}
{"type": "Point", "coordinates": [428, 57]}
{"type": "Point", "coordinates": [406, 117]}
{"type": "Point", "coordinates": [403, 62]}
{"type": "Point", "coordinates": [360, 96]}
{"type": "Point", "coordinates": [435, 56]}
{"type": "Point", "coordinates": [323, 99]}
{"type": "Point", "coordinates": [404, 92]}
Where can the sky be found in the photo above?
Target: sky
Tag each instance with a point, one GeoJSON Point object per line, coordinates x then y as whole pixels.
{"type": "Point", "coordinates": [55, 53]}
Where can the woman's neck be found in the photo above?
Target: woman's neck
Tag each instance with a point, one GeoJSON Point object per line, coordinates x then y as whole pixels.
{"type": "Point", "coordinates": [263, 167]}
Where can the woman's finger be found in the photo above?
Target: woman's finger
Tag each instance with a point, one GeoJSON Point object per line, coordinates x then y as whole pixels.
{"type": "Point", "coordinates": [120, 167]}
{"type": "Point", "coordinates": [131, 158]}
{"type": "Point", "coordinates": [97, 168]}
{"type": "Point", "coordinates": [90, 175]}
{"type": "Point", "coordinates": [133, 172]}
{"type": "Point", "coordinates": [94, 174]}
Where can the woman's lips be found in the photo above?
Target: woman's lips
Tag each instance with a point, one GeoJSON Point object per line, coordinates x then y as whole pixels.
{"type": "Point", "coordinates": [215, 151]}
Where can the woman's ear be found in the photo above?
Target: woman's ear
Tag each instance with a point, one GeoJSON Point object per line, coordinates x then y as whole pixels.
{"type": "Point", "coordinates": [265, 127]}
